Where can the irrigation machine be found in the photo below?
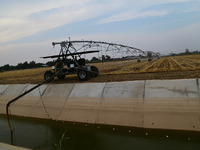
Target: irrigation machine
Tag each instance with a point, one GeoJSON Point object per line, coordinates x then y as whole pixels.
{"type": "Point", "coordinates": [70, 60]}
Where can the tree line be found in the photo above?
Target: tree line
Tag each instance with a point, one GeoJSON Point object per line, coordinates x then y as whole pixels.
{"type": "Point", "coordinates": [187, 52]}
{"type": "Point", "coordinates": [25, 65]}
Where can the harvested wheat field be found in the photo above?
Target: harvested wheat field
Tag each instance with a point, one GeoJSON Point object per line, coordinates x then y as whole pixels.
{"type": "Point", "coordinates": [176, 67]}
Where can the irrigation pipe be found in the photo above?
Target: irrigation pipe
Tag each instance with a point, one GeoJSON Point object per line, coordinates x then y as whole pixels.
{"type": "Point", "coordinates": [28, 91]}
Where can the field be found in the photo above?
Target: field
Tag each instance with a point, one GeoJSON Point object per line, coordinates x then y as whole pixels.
{"type": "Point", "coordinates": [176, 67]}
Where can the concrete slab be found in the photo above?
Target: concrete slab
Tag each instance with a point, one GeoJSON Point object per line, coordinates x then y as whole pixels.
{"type": "Point", "coordinates": [4, 146]}
{"type": "Point", "coordinates": [79, 113]}
{"type": "Point", "coordinates": [83, 102]}
{"type": "Point", "coordinates": [36, 92]}
{"type": "Point", "coordinates": [128, 89]}
{"type": "Point", "coordinates": [172, 104]}
{"type": "Point", "coordinates": [122, 104]}
{"type": "Point", "coordinates": [57, 91]}
{"type": "Point", "coordinates": [171, 88]}
{"type": "Point", "coordinates": [53, 100]}
{"type": "Point", "coordinates": [14, 90]}
{"type": "Point", "coordinates": [176, 120]}
{"type": "Point", "coordinates": [11, 92]}
{"type": "Point", "coordinates": [3, 89]}
{"type": "Point", "coordinates": [87, 90]}
{"type": "Point", "coordinates": [25, 105]}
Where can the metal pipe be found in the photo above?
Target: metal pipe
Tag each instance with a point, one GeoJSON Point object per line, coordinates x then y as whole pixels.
{"type": "Point", "coordinates": [16, 98]}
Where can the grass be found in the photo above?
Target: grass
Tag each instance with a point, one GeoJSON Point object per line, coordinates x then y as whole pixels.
{"type": "Point", "coordinates": [60, 142]}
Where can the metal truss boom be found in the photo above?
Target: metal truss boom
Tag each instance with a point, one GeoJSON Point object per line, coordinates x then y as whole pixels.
{"type": "Point", "coordinates": [83, 45]}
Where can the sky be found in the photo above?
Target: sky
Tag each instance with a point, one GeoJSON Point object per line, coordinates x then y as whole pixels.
{"type": "Point", "coordinates": [28, 27]}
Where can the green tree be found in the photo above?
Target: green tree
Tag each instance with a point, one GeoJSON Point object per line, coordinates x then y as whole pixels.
{"type": "Point", "coordinates": [149, 54]}
{"type": "Point", "coordinates": [187, 51]}
{"type": "Point", "coordinates": [94, 59]}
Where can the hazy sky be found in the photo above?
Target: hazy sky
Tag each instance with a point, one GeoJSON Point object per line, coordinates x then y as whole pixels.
{"type": "Point", "coordinates": [28, 27]}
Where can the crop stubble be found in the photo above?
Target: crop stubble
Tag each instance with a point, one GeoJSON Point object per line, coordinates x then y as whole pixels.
{"type": "Point", "coordinates": [176, 67]}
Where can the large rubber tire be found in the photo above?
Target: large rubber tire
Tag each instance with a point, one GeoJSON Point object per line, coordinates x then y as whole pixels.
{"type": "Point", "coordinates": [94, 71]}
{"type": "Point", "coordinates": [83, 75]}
{"type": "Point", "coordinates": [48, 76]}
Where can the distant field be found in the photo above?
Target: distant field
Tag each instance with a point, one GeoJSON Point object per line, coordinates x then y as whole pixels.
{"type": "Point", "coordinates": [176, 67]}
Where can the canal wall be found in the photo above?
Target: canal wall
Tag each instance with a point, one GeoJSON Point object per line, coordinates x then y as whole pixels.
{"type": "Point", "coordinates": [160, 104]}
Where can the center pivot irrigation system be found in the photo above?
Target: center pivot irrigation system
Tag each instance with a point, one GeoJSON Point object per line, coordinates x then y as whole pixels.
{"type": "Point", "coordinates": [69, 60]}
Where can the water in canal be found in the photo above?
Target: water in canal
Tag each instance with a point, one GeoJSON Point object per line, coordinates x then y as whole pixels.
{"type": "Point", "coordinates": [39, 134]}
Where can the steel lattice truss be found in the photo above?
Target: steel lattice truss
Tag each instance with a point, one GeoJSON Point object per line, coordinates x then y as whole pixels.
{"type": "Point", "coordinates": [69, 47]}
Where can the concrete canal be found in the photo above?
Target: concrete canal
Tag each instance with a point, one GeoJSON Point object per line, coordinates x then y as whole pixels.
{"type": "Point", "coordinates": [40, 134]}
{"type": "Point", "coordinates": [155, 114]}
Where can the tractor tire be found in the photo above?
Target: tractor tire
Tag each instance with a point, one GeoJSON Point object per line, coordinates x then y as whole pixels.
{"type": "Point", "coordinates": [48, 76]}
{"type": "Point", "coordinates": [94, 71]}
{"type": "Point", "coordinates": [83, 75]}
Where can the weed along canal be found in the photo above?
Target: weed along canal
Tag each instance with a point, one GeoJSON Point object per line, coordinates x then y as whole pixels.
{"type": "Point", "coordinates": [40, 134]}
